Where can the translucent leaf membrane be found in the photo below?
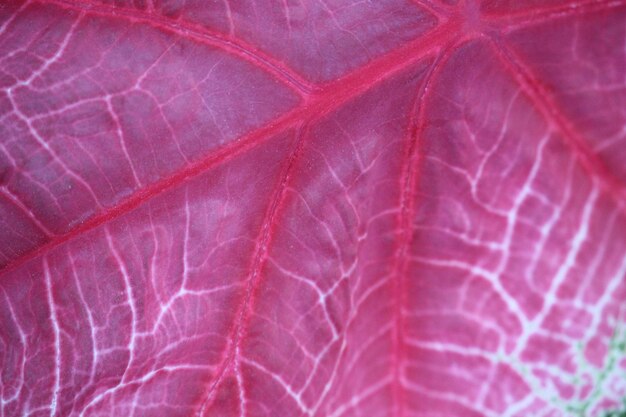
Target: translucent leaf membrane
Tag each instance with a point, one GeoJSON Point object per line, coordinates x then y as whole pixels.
{"type": "Point", "coordinates": [328, 209]}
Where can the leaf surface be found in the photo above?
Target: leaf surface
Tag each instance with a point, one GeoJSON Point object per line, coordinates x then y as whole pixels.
{"type": "Point", "coordinates": [315, 208]}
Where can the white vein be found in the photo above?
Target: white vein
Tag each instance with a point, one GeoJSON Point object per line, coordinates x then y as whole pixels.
{"type": "Point", "coordinates": [57, 339]}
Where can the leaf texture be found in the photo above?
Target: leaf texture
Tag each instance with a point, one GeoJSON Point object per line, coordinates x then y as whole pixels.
{"type": "Point", "coordinates": [316, 208]}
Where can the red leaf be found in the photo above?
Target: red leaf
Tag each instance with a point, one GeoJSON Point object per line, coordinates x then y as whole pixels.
{"type": "Point", "coordinates": [316, 208]}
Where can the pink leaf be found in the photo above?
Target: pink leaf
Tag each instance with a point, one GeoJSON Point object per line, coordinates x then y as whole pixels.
{"type": "Point", "coordinates": [323, 208]}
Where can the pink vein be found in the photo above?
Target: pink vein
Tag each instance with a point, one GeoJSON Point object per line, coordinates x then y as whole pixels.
{"type": "Point", "coordinates": [512, 22]}
{"type": "Point", "coordinates": [441, 12]}
{"type": "Point", "coordinates": [258, 261]}
{"type": "Point", "coordinates": [408, 183]}
{"type": "Point", "coordinates": [201, 35]}
{"type": "Point", "coordinates": [319, 103]}
{"type": "Point", "coordinates": [543, 101]}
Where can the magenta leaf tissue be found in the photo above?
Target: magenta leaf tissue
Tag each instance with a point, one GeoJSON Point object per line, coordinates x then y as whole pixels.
{"type": "Point", "coordinates": [321, 208]}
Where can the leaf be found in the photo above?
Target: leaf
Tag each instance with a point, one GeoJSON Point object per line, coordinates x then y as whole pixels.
{"type": "Point", "coordinates": [317, 208]}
